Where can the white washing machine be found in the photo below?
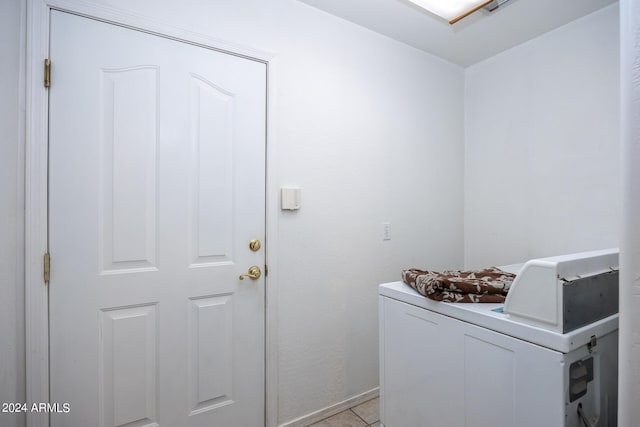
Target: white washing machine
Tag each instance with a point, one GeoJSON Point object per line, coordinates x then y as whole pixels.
{"type": "Point", "coordinates": [547, 357]}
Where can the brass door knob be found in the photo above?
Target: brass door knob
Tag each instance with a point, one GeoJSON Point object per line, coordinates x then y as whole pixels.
{"type": "Point", "coordinates": [255, 245]}
{"type": "Point", "coordinates": [254, 273]}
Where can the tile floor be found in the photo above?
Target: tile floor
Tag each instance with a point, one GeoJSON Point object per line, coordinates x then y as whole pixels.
{"type": "Point", "coordinates": [366, 414]}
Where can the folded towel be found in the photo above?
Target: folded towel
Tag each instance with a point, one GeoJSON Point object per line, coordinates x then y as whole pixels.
{"type": "Point", "coordinates": [487, 285]}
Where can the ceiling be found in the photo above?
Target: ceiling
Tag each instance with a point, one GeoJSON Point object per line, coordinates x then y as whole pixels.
{"type": "Point", "coordinates": [471, 40]}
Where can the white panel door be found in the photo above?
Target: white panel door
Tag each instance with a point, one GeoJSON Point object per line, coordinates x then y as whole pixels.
{"type": "Point", "coordinates": [157, 185]}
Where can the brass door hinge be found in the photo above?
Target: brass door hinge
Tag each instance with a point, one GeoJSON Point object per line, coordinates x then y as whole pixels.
{"type": "Point", "coordinates": [47, 268]}
{"type": "Point", "coordinates": [47, 72]}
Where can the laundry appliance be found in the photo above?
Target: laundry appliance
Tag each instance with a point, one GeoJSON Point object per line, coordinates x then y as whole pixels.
{"type": "Point", "coordinates": [547, 357]}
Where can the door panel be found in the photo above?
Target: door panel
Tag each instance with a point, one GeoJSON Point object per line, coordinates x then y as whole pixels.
{"type": "Point", "coordinates": [211, 127]}
{"type": "Point", "coordinates": [210, 347]}
{"type": "Point", "coordinates": [157, 168]}
{"type": "Point", "coordinates": [128, 154]}
{"type": "Point", "coordinates": [128, 364]}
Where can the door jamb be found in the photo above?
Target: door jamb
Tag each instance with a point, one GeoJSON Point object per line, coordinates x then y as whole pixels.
{"type": "Point", "coordinates": [36, 190]}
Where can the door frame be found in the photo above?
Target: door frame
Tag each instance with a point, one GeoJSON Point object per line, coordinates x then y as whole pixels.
{"type": "Point", "coordinates": [36, 189]}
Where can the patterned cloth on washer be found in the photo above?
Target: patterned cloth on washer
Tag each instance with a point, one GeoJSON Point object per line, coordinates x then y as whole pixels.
{"type": "Point", "coordinates": [487, 285]}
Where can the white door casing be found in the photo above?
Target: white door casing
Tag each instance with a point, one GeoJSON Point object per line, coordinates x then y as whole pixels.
{"type": "Point", "coordinates": [157, 184]}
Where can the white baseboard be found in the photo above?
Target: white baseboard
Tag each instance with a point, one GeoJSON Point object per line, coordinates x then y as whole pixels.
{"type": "Point", "coordinates": [329, 411]}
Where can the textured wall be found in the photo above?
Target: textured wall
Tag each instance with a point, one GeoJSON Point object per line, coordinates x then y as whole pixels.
{"type": "Point", "coordinates": [11, 214]}
{"type": "Point", "coordinates": [629, 385]}
{"type": "Point", "coordinates": [542, 174]}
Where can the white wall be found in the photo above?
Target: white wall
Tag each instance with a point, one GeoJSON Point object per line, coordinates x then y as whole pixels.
{"type": "Point", "coordinates": [629, 374]}
{"type": "Point", "coordinates": [11, 215]}
{"type": "Point", "coordinates": [542, 145]}
{"type": "Point", "coordinates": [371, 129]}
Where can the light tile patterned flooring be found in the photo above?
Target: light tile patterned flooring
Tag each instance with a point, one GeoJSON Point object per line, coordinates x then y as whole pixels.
{"type": "Point", "coordinates": [366, 414]}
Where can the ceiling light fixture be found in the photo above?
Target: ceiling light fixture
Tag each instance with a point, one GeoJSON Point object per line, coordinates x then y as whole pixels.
{"type": "Point", "coordinates": [452, 10]}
